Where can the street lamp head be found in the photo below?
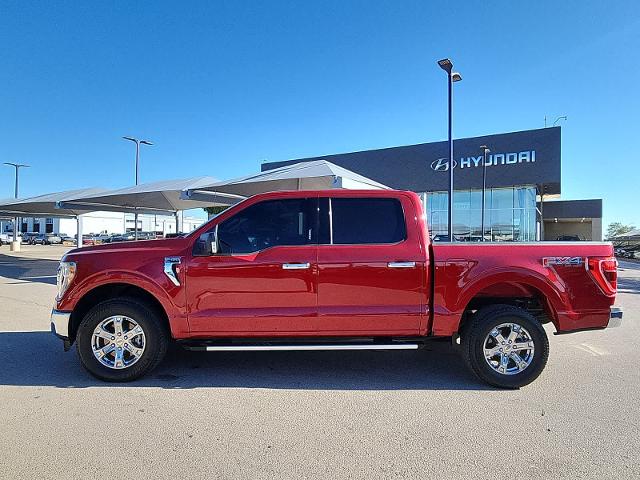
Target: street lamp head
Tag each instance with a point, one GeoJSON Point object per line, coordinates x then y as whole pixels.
{"type": "Point", "coordinates": [456, 77]}
{"type": "Point", "coordinates": [564, 117]}
{"type": "Point", "coordinates": [17, 165]}
{"type": "Point", "coordinates": [446, 65]}
{"type": "Point", "coordinates": [484, 148]}
{"type": "Point", "coordinates": [143, 142]}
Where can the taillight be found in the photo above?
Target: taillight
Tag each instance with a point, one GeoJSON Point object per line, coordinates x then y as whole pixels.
{"type": "Point", "coordinates": [605, 273]}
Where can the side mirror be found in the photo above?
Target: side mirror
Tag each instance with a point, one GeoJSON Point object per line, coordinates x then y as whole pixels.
{"type": "Point", "coordinates": [213, 241]}
{"type": "Point", "coordinates": [207, 244]}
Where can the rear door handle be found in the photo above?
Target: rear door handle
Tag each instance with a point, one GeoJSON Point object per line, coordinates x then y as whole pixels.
{"type": "Point", "coordinates": [295, 266]}
{"type": "Point", "coordinates": [401, 264]}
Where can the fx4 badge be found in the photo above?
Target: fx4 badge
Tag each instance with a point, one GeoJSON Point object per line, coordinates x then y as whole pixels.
{"type": "Point", "coordinates": [566, 261]}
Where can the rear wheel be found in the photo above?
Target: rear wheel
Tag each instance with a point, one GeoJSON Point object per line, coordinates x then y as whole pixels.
{"type": "Point", "coordinates": [120, 340]}
{"type": "Point", "coordinates": [505, 346]}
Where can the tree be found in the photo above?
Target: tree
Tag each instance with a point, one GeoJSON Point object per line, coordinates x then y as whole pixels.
{"type": "Point", "coordinates": [215, 210]}
{"type": "Point", "coordinates": [617, 228]}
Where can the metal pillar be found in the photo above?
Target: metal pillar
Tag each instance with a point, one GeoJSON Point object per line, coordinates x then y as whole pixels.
{"type": "Point", "coordinates": [484, 183]}
{"type": "Point", "coordinates": [79, 228]}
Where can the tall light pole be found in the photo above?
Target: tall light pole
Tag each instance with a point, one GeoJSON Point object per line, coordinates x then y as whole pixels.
{"type": "Point", "coordinates": [485, 150]}
{"type": "Point", "coordinates": [564, 117]}
{"type": "Point", "coordinates": [452, 77]}
{"type": "Point", "coordinates": [138, 142]}
{"type": "Point", "coordinates": [17, 167]}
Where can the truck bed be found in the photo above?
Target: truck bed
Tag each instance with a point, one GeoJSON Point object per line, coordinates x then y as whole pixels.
{"type": "Point", "coordinates": [555, 274]}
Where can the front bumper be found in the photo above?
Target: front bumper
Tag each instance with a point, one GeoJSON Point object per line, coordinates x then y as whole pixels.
{"type": "Point", "coordinates": [615, 317]}
{"type": "Point", "coordinates": [60, 323]}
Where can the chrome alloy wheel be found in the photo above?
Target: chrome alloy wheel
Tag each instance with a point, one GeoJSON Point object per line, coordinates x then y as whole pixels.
{"type": "Point", "coordinates": [508, 348]}
{"type": "Point", "coordinates": [118, 342]}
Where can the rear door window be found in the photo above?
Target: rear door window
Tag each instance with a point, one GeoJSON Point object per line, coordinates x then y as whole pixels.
{"type": "Point", "coordinates": [366, 221]}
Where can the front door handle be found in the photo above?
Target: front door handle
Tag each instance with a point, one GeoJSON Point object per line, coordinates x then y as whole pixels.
{"type": "Point", "coordinates": [295, 266]}
{"type": "Point", "coordinates": [401, 264]}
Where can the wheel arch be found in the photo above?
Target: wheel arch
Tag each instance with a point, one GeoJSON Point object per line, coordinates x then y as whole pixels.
{"type": "Point", "coordinates": [523, 289]}
{"type": "Point", "coordinates": [114, 290]}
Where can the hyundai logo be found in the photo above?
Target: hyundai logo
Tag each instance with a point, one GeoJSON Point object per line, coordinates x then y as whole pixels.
{"type": "Point", "coordinates": [510, 158]}
{"type": "Point", "coordinates": [442, 165]}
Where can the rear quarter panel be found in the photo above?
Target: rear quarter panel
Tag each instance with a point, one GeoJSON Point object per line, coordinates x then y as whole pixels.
{"type": "Point", "coordinates": [463, 271]}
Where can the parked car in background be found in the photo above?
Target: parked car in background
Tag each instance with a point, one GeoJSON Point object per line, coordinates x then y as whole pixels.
{"type": "Point", "coordinates": [626, 253]}
{"type": "Point", "coordinates": [108, 238]}
{"type": "Point", "coordinates": [5, 238]}
{"type": "Point", "coordinates": [54, 239]}
{"type": "Point", "coordinates": [122, 237]}
{"type": "Point", "coordinates": [89, 240]}
{"type": "Point", "coordinates": [101, 238]}
{"type": "Point", "coordinates": [39, 239]}
{"type": "Point", "coordinates": [27, 236]}
{"type": "Point", "coordinates": [330, 270]}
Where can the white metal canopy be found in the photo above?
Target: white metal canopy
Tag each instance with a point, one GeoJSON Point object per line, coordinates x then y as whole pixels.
{"type": "Point", "coordinates": [47, 205]}
{"type": "Point", "coordinates": [315, 175]}
{"type": "Point", "coordinates": [155, 197]}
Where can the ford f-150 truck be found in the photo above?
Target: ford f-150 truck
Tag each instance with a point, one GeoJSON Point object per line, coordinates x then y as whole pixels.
{"type": "Point", "coordinates": [329, 270]}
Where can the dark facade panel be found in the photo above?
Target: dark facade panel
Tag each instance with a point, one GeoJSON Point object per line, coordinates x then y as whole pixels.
{"type": "Point", "coordinates": [530, 157]}
{"type": "Point", "coordinates": [572, 209]}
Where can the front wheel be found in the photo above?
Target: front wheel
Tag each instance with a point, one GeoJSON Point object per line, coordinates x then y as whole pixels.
{"type": "Point", "coordinates": [120, 340]}
{"type": "Point", "coordinates": [505, 346]}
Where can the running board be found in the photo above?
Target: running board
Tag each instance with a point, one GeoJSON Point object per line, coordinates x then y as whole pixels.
{"type": "Point", "coordinates": [302, 347]}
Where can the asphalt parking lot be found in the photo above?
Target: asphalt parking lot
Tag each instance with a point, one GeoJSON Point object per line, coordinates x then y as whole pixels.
{"type": "Point", "coordinates": [310, 414]}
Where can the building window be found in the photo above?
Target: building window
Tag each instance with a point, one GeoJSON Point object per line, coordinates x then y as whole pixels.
{"type": "Point", "coordinates": [510, 214]}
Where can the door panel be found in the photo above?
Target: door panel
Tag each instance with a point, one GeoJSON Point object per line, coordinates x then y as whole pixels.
{"type": "Point", "coordinates": [253, 294]}
{"type": "Point", "coordinates": [371, 288]}
{"type": "Point", "coordinates": [263, 280]}
{"type": "Point", "coordinates": [359, 292]}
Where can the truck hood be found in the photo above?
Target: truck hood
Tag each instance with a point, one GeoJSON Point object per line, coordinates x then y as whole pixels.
{"type": "Point", "coordinates": [176, 244]}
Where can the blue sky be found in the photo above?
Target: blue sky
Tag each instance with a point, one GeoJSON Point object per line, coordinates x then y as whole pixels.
{"type": "Point", "coordinates": [222, 86]}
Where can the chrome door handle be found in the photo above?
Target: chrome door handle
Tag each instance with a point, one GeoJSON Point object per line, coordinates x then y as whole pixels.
{"type": "Point", "coordinates": [401, 264]}
{"type": "Point", "coordinates": [295, 266]}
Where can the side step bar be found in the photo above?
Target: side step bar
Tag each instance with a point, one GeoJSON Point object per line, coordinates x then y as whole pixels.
{"type": "Point", "coordinates": [303, 347]}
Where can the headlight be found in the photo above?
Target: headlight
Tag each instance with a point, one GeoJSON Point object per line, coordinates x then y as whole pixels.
{"type": "Point", "coordinates": [66, 272]}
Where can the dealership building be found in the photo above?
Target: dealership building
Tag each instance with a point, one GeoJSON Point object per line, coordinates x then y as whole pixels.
{"type": "Point", "coordinates": [523, 185]}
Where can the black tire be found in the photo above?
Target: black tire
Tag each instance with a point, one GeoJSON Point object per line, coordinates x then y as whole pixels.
{"type": "Point", "coordinates": [476, 331]}
{"type": "Point", "coordinates": [155, 333]}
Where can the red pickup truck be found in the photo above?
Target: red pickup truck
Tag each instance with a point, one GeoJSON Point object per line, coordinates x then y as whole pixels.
{"type": "Point", "coordinates": [329, 270]}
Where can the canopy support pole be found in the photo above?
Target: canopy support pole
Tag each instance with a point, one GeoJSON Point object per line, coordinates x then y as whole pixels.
{"type": "Point", "coordinates": [15, 244]}
{"type": "Point", "coordinates": [135, 225]}
{"type": "Point", "coordinates": [177, 226]}
{"type": "Point", "coordinates": [79, 227]}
